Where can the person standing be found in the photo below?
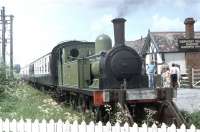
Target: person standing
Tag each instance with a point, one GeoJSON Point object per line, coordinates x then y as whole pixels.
{"type": "Point", "coordinates": [166, 78]}
{"type": "Point", "coordinates": [174, 75]}
{"type": "Point", "coordinates": [151, 73]}
{"type": "Point", "coordinates": [178, 75]}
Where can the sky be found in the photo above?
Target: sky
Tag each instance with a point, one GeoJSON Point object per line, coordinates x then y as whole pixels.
{"type": "Point", "coordinates": [39, 25]}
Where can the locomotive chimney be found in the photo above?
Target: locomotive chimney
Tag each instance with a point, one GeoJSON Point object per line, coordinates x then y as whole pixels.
{"type": "Point", "coordinates": [189, 27]}
{"type": "Point", "coordinates": [118, 24]}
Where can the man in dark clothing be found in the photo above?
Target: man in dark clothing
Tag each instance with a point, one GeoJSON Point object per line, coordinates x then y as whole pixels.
{"type": "Point", "coordinates": [174, 75]}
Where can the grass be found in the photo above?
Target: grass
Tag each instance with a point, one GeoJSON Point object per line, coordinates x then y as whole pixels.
{"type": "Point", "coordinates": [25, 102]}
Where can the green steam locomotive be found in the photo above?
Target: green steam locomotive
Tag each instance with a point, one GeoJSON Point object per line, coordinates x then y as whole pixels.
{"type": "Point", "coordinates": [92, 74]}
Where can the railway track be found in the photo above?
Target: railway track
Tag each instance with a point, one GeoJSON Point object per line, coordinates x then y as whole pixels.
{"type": "Point", "coordinates": [158, 111]}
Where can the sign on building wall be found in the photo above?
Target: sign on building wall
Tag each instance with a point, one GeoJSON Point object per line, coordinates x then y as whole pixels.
{"type": "Point", "coordinates": [189, 44]}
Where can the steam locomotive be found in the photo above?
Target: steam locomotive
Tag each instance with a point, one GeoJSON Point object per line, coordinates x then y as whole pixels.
{"type": "Point", "coordinates": [92, 74]}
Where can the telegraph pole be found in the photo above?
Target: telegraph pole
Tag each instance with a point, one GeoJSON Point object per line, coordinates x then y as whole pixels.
{"type": "Point", "coordinates": [3, 40]}
{"type": "Point", "coordinates": [11, 46]}
{"type": "Point", "coordinates": [3, 35]}
{"type": "Point", "coordinates": [6, 22]}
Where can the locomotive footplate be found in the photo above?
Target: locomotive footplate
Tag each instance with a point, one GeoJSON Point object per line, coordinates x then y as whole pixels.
{"type": "Point", "coordinates": [148, 94]}
{"type": "Point", "coordinates": [101, 97]}
{"type": "Point", "coordinates": [132, 95]}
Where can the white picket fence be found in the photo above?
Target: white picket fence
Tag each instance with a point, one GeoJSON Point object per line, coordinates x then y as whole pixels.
{"type": "Point", "coordinates": [51, 126]}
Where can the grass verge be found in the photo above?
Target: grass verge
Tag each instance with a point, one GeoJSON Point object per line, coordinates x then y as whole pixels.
{"type": "Point", "coordinates": [23, 101]}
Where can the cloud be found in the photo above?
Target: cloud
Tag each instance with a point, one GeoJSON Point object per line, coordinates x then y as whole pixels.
{"type": "Point", "coordinates": [35, 28]}
{"type": "Point", "coordinates": [123, 8]}
{"type": "Point", "coordinates": [197, 26]}
{"type": "Point", "coordinates": [100, 24]}
{"type": "Point", "coordinates": [180, 3]}
{"type": "Point", "coordinates": [163, 23]}
{"type": "Point", "coordinates": [40, 24]}
{"type": "Point", "coordinates": [119, 8]}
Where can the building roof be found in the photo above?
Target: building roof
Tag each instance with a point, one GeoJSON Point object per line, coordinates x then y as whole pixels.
{"type": "Point", "coordinates": [164, 41]}
{"type": "Point", "coordinates": [137, 45]}
{"type": "Point", "coordinates": [168, 41]}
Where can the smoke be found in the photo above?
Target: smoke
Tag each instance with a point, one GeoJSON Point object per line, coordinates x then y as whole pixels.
{"type": "Point", "coordinates": [130, 6]}
{"type": "Point", "coordinates": [126, 7]}
{"type": "Point", "coordinates": [121, 8]}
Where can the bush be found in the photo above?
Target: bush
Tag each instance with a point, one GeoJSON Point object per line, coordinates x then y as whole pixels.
{"type": "Point", "coordinates": [192, 118]}
{"type": "Point", "coordinates": [6, 82]}
{"type": "Point", "coordinates": [195, 119]}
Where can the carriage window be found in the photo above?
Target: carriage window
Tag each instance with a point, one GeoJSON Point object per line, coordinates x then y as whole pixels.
{"type": "Point", "coordinates": [74, 52]}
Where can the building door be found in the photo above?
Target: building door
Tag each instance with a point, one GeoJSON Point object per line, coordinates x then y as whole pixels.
{"type": "Point", "coordinates": [192, 59]}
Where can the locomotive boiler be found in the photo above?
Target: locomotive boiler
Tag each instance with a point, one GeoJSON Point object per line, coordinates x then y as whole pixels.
{"type": "Point", "coordinates": [91, 74]}
{"type": "Point", "coordinates": [117, 66]}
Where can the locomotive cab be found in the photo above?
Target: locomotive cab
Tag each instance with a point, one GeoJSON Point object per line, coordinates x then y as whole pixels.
{"type": "Point", "coordinates": [68, 66]}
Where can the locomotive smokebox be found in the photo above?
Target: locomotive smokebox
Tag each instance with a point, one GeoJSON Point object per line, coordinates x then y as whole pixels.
{"type": "Point", "coordinates": [119, 34]}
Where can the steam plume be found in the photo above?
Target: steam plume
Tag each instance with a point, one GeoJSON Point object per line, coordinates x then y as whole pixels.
{"type": "Point", "coordinates": [125, 7]}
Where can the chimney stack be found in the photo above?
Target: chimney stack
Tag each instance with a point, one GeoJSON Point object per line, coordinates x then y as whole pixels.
{"type": "Point", "coordinates": [119, 31]}
{"type": "Point", "coordinates": [189, 27]}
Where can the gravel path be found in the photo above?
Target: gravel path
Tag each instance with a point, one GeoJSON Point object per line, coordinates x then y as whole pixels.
{"type": "Point", "coordinates": [188, 99]}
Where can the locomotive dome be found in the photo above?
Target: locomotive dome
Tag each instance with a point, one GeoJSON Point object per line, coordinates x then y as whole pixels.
{"type": "Point", "coordinates": [103, 43]}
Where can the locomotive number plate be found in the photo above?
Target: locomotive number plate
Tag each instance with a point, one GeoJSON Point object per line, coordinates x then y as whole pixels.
{"type": "Point", "coordinates": [139, 94]}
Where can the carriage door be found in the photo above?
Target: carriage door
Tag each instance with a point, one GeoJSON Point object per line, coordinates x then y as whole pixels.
{"type": "Point", "coordinates": [60, 67]}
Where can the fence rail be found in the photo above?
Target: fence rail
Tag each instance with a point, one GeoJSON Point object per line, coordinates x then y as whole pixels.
{"type": "Point", "coordinates": [59, 126]}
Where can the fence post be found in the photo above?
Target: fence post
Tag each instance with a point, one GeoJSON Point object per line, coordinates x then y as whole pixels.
{"type": "Point", "coordinates": [6, 125]}
{"type": "Point", "coordinates": [134, 128]}
{"type": "Point", "coordinates": [154, 128]}
{"type": "Point", "coordinates": [183, 128]}
{"type": "Point", "coordinates": [83, 127]}
{"type": "Point", "coordinates": [192, 128]}
{"type": "Point", "coordinates": [144, 128]}
{"type": "Point", "coordinates": [192, 75]}
{"type": "Point", "coordinates": [99, 127]}
{"type": "Point", "coordinates": [35, 126]}
{"type": "Point", "coordinates": [66, 127]}
{"type": "Point", "coordinates": [172, 128]}
{"type": "Point", "coordinates": [59, 126]}
{"type": "Point", "coordinates": [126, 127]}
{"type": "Point", "coordinates": [91, 127]}
{"type": "Point", "coordinates": [108, 127]}
{"type": "Point", "coordinates": [1, 125]}
{"type": "Point", "coordinates": [163, 128]}
{"type": "Point", "coordinates": [116, 127]}
{"type": "Point", "coordinates": [13, 125]}
{"type": "Point", "coordinates": [28, 125]}
{"type": "Point", "coordinates": [43, 126]}
{"type": "Point", "coordinates": [20, 126]}
{"type": "Point", "coordinates": [51, 126]}
{"type": "Point", "coordinates": [74, 127]}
